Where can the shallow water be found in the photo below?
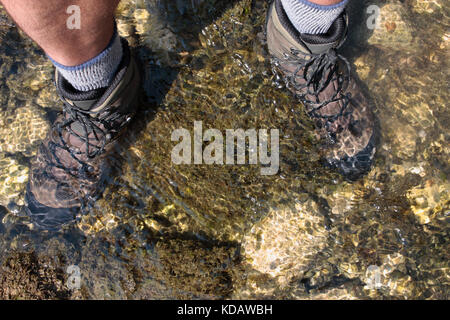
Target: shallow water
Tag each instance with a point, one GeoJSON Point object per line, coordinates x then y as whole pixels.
{"type": "Point", "coordinates": [200, 231]}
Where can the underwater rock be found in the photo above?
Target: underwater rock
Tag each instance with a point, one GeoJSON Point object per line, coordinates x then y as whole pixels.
{"type": "Point", "coordinates": [124, 14]}
{"type": "Point", "coordinates": [411, 167]}
{"type": "Point", "coordinates": [91, 225]}
{"type": "Point", "coordinates": [108, 278]}
{"type": "Point", "coordinates": [195, 266]}
{"type": "Point", "coordinates": [386, 25]}
{"type": "Point", "coordinates": [429, 199]}
{"type": "Point", "coordinates": [392, 32]}
{"type": "Point", "coordinates": [426, 6]}
{"type": "Point", "coordinates": [341, 293]}
{"type": "Point", "coordinates": [362, 69]}
{"type": "Point", "coordinates": [390, 278]}
{"type": "Point", "coordinates": [403, 140]}
{"type": "Point", "coordinates": [445, 43]}
{"type": "Point", "coordinates": [28, 276]}
{"type": "Point", "coordinates": [419, 115]}
{"type": "Point", "coordinates": [141, 17]}
{"type": "Point", "coordinates": [340, 199]}
{"type": "Point", "coordinates": [284, 242]}
{"type": "Point", "coordinates": [151, 27]}
{"type": "Point", "coordinates": [48, 98]}
{"type": "Point", "coordinates": [12, 181]}
{"type": "Point", "coordinates": [22, 130]}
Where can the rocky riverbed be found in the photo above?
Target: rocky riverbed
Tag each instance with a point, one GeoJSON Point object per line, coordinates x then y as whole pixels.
{"type": "Point", "coordinates": [198, 231]}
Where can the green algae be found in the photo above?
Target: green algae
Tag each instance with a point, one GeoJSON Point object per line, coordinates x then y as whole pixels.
{"type": "Point", "coordinates": [200, 231]}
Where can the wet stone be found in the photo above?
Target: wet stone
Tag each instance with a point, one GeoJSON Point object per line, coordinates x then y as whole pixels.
{"type": "Point", "coordinates": [392, 32]}
{"type": "Point", "coordinates": [284, 242]}
{"type": "Point", "coordinates": [12, 186]}
{"type": "Point", "coordinates": [22, 130]}
{"type": "Point", "coordinates": [29, 276]}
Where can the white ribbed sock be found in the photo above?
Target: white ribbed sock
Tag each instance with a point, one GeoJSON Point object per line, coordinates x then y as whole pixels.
{"type": "Point", "coordinates": [96, 73]}
{"type": "Point", "coordinates": [311, 18]}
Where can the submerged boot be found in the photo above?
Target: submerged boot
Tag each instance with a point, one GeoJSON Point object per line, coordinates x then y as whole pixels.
{"type": "Point", "coordinates": [72, 161]}
{"type": "Point", "coordinates": [321, 79]}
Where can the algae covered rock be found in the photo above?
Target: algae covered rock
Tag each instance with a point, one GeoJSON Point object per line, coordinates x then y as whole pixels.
{"type": "Point", "coordinates": [196, 267]}
{"type": "Point", "coordinates": [29, 276]}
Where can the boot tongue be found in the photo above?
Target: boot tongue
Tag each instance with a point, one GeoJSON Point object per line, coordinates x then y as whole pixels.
{"type": "Point", "coordinates": [82, 100]}
{"type": "Point", "coordinates": [321, 43]}
{"type": "Point", "coordinates": [85, 101]}
{"type": "Point", "coordinates": [321, 48]}
{"type": "Point", "coordinates": [85, 105]}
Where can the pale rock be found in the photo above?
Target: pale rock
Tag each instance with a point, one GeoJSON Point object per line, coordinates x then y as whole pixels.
{"type": "Point", "coordinates": [22, 130]}
{"type": "Point", "coordinates": [426, 6]}
{"type": "Point", "coordinates": [429, 199]}
{"type": "Point", "coordinates": [12, 186]}
{"type": "Point", "coordinates": [284, 242]}
{"type": "Point", "coordinates": [392, 31]}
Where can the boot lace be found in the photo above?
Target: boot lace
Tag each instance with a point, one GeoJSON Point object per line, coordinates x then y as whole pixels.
{"type": "Point", "coordinates": [313, 73]}
{"type": "Point", "coordinates": [91, 147]}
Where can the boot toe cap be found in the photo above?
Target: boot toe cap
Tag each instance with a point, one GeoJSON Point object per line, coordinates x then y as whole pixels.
{"type": "Point", "coordinates": [353, 168]}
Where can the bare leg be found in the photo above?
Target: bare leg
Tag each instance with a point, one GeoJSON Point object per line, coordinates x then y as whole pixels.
{"type": "Point", "coordinates": [67, 172]}
{"type": "Point", "coordinates": [45, 21]}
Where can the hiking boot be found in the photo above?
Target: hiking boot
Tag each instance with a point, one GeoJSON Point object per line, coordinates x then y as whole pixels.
{"type": "Point", "coordinates": [71, 163]}
{"type": "Point", "coordinates": [321, 79]}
